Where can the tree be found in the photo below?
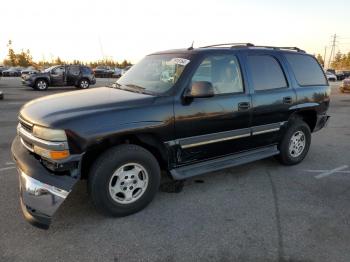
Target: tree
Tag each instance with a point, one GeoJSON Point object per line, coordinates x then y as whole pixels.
{"type": "Point", "coordinates": [11, 54]}
{"type": "Point", "coordinates": [320, 60]}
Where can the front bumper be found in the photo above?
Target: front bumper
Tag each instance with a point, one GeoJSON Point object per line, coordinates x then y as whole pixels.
{"type": "Point", "coordinates": [41, 191]}
{"type": "Point", "coordinates": [27, 82]}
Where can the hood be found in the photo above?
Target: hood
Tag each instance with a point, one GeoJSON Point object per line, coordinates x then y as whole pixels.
{"type": "Point", "coordinates": [50, 110]}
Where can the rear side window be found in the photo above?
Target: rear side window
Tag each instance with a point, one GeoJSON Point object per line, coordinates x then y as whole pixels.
{"type": "Point", "coordinates": [74, 70]}
{"type": "Point", "coordinates": [306, 70]}
{"type": "Point", "coordinates": [266, 72]}
{"type": "Point", "coordinates": [86, 70]}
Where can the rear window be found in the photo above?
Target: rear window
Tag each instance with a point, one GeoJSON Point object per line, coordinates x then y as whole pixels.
{"type": "Point", "coordinates": [306, 69]}
{"type": "Point", "coordinates": [266, 72]}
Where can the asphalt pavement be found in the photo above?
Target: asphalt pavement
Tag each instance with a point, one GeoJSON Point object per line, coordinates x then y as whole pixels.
{"type": "Point", "coordinates": [261, 211]}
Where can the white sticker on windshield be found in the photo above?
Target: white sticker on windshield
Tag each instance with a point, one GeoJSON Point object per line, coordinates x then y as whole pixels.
{"type": "Point", "coordinates": [179, 61]}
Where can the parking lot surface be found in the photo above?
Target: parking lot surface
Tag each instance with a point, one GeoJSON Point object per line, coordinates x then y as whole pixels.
{"type": "Point", "coordinates": [257, 212]}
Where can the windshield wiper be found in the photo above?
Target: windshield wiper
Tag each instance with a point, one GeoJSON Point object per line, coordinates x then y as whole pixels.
{"type": "Point", "coordinates": [136, 88]}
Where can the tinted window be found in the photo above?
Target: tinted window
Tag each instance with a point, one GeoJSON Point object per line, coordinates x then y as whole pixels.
{"type": "Point", "coordinates": [74, 70]}
{"type": "Point", "coordinates": [266, 72]}
{"type": "Point", "coordinates": [306, 70]}
{"type": "Point", "coordinates": [223, 72]}
{"type": "Point", "coordinates": [86, 70]}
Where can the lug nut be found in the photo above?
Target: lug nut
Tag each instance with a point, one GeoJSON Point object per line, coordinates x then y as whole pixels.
{"type": "Point", "coordinates": [131, 188]}
{"type": "Point", "coordinates": [126, 177]}
{"type": "Point", "coordinates": [135, 182]}
{"type": "Point", "coordinates": [125, 188]}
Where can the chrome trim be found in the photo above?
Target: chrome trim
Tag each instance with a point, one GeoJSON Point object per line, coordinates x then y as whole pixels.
{"type": "Point", "coordinates": [40, 197]}
{"type": "Point", "coordinates": [24, 121]}
{"type": "Point", "coordinates": [192, 141]}
{"type": "Point", "coordinates": [26, 146]}
{"type": "Point", "coordinates": [214, 141]}
{"type": "Point", "coordinates": [266, 131]}
{"type": "Point", "coordinates": [23, 134]}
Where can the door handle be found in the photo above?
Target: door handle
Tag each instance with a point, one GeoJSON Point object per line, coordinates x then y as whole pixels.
{"type": "Point", "coordinates": [287, 100]}
{"type": "Point", "coordinates": [243, 106]}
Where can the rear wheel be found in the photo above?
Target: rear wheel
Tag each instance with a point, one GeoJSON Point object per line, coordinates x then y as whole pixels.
{"type": "Point", "coordinates": [295, 143]}
{"type": "Point", "coordinates": [41, 85]}
{"type": "Point", "coordinates": [83, 84]}
{"type": "Point", "coordinates": [124, 180]}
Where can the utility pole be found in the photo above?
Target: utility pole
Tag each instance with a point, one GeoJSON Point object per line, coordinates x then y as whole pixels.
{"type": "Point", "coordinates": [324, 57]}
{"type": "Point", "coordinates": [332, 54]}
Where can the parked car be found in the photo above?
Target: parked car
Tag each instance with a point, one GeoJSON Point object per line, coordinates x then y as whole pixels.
{"type": "Point", "coordinates": [330, 76]}
{"type": "Point", "coordinates": [62, 75]}
{"type": "Point", "coordinates": [3, 68]}
{"type": "Point", "coordinates": [103, 71]}
{"type": "Point", "coordinates": [117, 72]}
{"type": "Point", "coordinates": [12, 71]}
{"type": "Point", "coordinates": [341, 75]}
{"type": "Point", "coordinates": [345, 86]}
{"type": "Point", "coordinates": [28, 71]}
{"type": "Point", "coordinates": [214, 108]}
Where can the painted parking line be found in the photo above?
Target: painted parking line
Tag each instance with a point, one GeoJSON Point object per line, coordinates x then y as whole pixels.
{"type": "Point", "coordinates": [9, 163]}
{"type": "Point", "coordinates": [331, 172]}
{"type": "Point", "coordinates": [7, 168]}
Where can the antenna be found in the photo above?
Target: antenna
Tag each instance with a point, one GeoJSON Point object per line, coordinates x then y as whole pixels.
{"type": "Point", "coordinates": [191, 47]}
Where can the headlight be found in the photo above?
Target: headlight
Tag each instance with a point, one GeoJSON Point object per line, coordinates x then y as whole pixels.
{"type": "Point", "coordinates": [49, 134]}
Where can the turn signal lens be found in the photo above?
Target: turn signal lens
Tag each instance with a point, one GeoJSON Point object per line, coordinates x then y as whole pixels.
{"type": "Point", "coordinates": [56, 155]}
{"type": "Point", "coordinates": [50, 154]}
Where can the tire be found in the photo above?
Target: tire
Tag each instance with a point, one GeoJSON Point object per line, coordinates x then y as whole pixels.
{"type": "Point", "coordinates": [83, 83]}
{"type": "Point", "coordinates": [105, 182]}
{"type": "Point", "coordinates": [292, 155]}
{"type": "Point", "coordinates": [41, 85]}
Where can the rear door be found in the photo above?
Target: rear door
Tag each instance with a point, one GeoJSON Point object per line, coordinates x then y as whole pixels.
{"type": "Point", "coordinates": [272, 96]}
{"type": "Point", "coordinates": [216, 126]}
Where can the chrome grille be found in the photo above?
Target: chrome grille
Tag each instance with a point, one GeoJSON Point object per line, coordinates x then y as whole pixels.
{"type": "Point", "coordinates": [26, 125]}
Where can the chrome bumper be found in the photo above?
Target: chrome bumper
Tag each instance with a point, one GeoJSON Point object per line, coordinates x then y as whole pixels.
{"type": "Point", "coordinates": [39, 201]}
{"type": "Point", "coordinates": [41, 191]}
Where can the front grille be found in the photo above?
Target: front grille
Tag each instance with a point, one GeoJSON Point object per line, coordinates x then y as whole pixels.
{"type": "Point", "coordinates": [26, 125]}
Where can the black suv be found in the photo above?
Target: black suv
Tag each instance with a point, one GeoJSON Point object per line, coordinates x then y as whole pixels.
{"type": "Point", "coordinates": [186, 112]}
{"type": "Point", "coordinates": [61, 75]}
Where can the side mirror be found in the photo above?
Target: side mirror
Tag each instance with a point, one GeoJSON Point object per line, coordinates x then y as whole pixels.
{"type": "Point", "coordinates": [200, 89]}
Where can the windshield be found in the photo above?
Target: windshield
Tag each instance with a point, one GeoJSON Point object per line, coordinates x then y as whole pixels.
{"type": "Point", "coordinates": [155, 74]}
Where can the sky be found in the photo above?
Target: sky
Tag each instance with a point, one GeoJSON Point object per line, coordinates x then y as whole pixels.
{"type": "Point", "coordinates": [129, 29]}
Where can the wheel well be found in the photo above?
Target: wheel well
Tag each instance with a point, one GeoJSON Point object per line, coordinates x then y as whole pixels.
{"type": "Point", "coordinates": [147, 141]}
{"type": "Point", "coordinates": [41, 78]}
{"type": "Point", "coordinates": [309, 117]}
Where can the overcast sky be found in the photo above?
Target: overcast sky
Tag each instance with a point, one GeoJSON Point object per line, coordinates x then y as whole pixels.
{"type": "Point", "coordinates": [128, 29]}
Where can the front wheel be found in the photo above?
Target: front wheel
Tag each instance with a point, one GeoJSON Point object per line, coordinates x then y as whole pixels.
{"type": "Point", "coordinates": [124, 180]}
{"type": "Point", "coordinates": [295, 143]}
{"type": "Point", "coordinates": [41, 85]}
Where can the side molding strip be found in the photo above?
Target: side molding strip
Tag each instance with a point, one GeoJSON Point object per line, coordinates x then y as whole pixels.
{"type": "Point", "coordinates": [200, 140]}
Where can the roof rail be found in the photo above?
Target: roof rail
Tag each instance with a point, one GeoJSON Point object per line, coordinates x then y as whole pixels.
{"type": "Point", "coordinates": [229, 44]}
{"type": "Point", "coordinates": [294, 48]}
{"type": "Point", "coordinates": [250, 45]}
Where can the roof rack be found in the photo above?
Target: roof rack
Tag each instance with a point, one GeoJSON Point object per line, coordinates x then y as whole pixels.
{"type": "Point", "coordinates": [229, 44]}
{"type": "Point", "coordinates": [250, 45]}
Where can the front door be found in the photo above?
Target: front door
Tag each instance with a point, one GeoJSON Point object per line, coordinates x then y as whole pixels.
{"type": "Point", "coordinates": [219, 125]}
{"type": "Point", "coordinates": [58, 76]}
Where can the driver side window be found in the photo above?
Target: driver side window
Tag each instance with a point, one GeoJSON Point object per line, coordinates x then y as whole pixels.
{"type": "Point", "coordinates": [223, 72]}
